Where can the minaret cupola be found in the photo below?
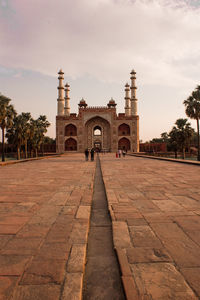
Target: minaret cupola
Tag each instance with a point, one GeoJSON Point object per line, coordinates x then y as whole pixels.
{"type": "Point", "coordinates": [82, 103]}
{"type": "Point", "coordinates": [111, 103]}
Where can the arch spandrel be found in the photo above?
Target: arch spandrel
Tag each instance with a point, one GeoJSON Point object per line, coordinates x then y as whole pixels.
{"type": "Point", "coordinates": [89, 116]}
{"type": "Point", "coordinates": [97, 120]}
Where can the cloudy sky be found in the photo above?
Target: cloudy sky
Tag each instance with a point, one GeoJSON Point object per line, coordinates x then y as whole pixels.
{"type": "Point", "coordinates": [97, 43]}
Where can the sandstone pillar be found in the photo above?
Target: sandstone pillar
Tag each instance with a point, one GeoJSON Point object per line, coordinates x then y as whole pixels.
{"type": "Point", "coordinates": [67, 98]}
{"type": "Point", "coordinates": [60, 100]}
{"type": "Point", "coordinates": [133, 94]}
{"type": "Point", "coordinates": [127, 100]}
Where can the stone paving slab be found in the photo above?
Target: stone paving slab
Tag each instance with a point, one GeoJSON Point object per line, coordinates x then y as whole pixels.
{"type": "Point", "coordinates": [155, 211]}
{"type": "Point", "coordinates": [44, 221]}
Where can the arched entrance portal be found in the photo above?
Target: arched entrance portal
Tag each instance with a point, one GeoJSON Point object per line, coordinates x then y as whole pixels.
{"type": "Point", "coordinates": [97, 131]}
{"type": "Point", "coordinates": [71, 145]}
{"type": "Point", "coordinates": [97, 137]}
{"type": "Point", "coordinates": [124, 144]}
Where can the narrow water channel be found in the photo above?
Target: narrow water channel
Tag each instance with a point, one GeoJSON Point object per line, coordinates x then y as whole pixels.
{"type": "Point", "coordinates": [102, 279]}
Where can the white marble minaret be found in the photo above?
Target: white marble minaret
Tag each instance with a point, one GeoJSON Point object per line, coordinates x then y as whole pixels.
{"type": "Point", "coordinates": [133, 94]}
{"type": "Point", "coordinates": [127, 100]}
{"type": "Point", "coordinates": [60, 104]}
{"type": "Point", "coordinates": [67, 98]}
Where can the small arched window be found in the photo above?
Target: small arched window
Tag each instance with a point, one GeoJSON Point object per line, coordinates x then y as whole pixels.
{"type": "Point", "coordinates": [70, 130]}
{"type": "Point", "coordinates": [124, 129]}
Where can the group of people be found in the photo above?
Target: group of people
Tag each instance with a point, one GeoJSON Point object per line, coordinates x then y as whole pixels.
{"type": "Point", "coordinates": [120, 153]}
{"type": "Point", "coordinates": [91, 152]}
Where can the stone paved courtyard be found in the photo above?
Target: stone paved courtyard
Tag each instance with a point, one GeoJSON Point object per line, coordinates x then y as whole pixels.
{"type": "Point", "coordinates": [44, 222]}
{"type": "Point", "coordinates": [155, 209]}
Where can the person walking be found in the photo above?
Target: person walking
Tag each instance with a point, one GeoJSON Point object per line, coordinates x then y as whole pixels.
{"type": "Point", "coordinates": [86, 154]}
{"type": "Point", "coordinates": [92, 154]}
{"type": "Point", "coordinates": [124, 153]}
{"type": "Point", "coordinates": [119, 152]}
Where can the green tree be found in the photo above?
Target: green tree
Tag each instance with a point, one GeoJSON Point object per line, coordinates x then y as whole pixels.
{"type": "Point", "coordinates": [192, 104]}
{"type": "Point", "coordinates": [38, 129]}
{"type": "Point", "coordinates": [165, 137]}
{"type": "Point", "coordinates": [7, 114]}
{"type": "Point", "coordinates": [49, 140]}
{"type": "Point", "coordinates": [20, 132]}
{"type": "Point", "coordinates": [181, 135]}
{"type": "Point", "coordinates": [173, 141]}
{"type": "Point", "coordinates": [15, 134]}
{"type": "Point", "coordinates": [156, 140]}
{"type": "Point", "coordinates": [26, 117]}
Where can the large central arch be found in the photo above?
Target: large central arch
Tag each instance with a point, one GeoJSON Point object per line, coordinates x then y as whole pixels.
{"type": "Point", "coordinates": [103, 139]}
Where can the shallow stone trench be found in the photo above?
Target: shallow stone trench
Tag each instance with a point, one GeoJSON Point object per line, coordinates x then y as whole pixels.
{"type": "Point", "coordinates": [102, 276]}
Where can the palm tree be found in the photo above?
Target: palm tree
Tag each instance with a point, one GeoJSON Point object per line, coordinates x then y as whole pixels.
{"type": "Point", "coordinates": [181, 135]}
{"type": "Point", "coordinates": [43, 125]}
{"type": "Point", "coordinates": [26, 117]}
{"type": "Point", "coordinates": [20, 132]}
{"type": "Point", "coordinates": [7, 114]}
{"type": "Point", "coordinates": [15, 134]}
{"type": "Point", "coordinates": [33, 129]}
{"type": "Point", "coordinates": [38, 129]}
{"type": "Point", "coordinates": [173, 140]}
{"type": "Point", "coordinates": [192, 104]}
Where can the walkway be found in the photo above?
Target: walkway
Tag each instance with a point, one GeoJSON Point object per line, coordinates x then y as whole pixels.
{"type": "Point", "coordinates": [155, 209]}
{"type": "Point", "coordinates": [102, 278]}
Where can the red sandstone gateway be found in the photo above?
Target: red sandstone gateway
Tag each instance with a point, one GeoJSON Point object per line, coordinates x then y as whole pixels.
{"type": "Point", "coordinates": [100, 127]}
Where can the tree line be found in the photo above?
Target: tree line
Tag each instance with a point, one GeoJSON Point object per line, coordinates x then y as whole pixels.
{"type": "Point", "coordinates": [182, 135]}
{"type": "Point", "coordinates": [21, 130]}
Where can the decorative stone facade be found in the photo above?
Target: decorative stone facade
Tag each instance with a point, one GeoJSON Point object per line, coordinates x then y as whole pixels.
{"type": "Point", "coordinates": [97, 127]}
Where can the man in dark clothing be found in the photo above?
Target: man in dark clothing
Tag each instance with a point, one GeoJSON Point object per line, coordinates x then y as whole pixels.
{"type": "Point", "coordinates": [92, 154]}
{"type": "Point", "coordinates": [86, 154]}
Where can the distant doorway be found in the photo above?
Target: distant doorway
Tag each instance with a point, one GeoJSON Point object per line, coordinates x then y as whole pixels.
{"type": "Point", "coordinates": [124, 144]}
{"type": "Point", "coordinates": [97, 146]}
{"type": "Point", "coordinates": [70, 145]}
{"type": "Point", "coordinates": [124, 129]}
